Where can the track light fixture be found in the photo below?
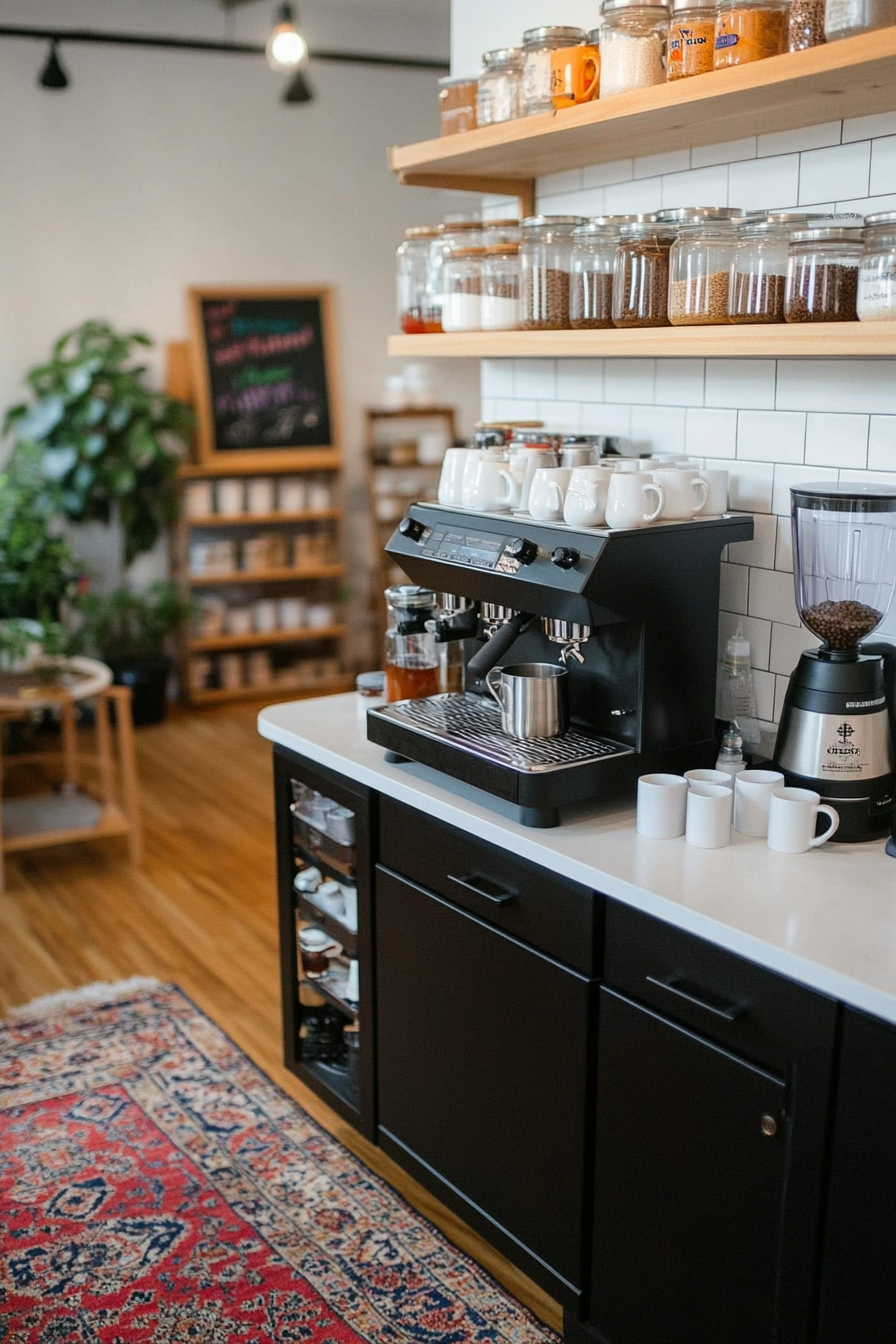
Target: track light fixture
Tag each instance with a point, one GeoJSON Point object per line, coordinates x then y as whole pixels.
{"type": "Point", "coordinates": [298, 90]}
{"type": "Point", "coordinates": [53, 75]}
{"type": "Point", "coordinates": [286, 49]}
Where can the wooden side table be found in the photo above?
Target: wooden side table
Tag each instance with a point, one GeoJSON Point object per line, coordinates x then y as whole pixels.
{"type": "Point", "coordinates": [111, 805]}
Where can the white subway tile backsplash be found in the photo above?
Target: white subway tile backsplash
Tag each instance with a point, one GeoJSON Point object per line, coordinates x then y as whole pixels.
{"type": "Point", "coordinates": [603, 174]}
{"type": "Point", "coordinates": [607, 419]}
{"type": "Point", "coordinates": [750, 486]}
{"type": "Point", "coordinates": [759, 634]}
{"type": "Point", "coordinates": [758, 184]}
{"type": "Point", "coordinates": [771, 596]}
{"type": "Point", "coordinates": [580, 379]}
{"type": "Point", "coordinates": [710, 433]}
{"type": "Point", "coordinates": [867, 386]}
{"type": "Point", "coordinates": [846, 165]}
{"type": "Point", "coordinates": [679, 382]}
{"type": "Point", "coordinates": [496, 377]}
{"type": "Point", "coordinates": [733, 586]}
{"type": "Point", "coordinates": [867, 128]}
{"type": "Point", "coordinates": [652, 165]}
{"type": "Point", "coordinates": [771, 436]}
{"type": "Point", "coordinates": [699, 186]}
{"type": "Point", "coordinates": [764, 690]}
{"type": "Point", "coordinates": [803, 138]}
{"type": "Point", "coordinates": [883, 165]}
{"type": "Point", "coordinates": [514, 408]}
{"type": "Point", "coordinates": [658, 428]}
{"type": "Point", "coordinates": [732, 151]}
{"type": "Point", "coordinates": [788, 642]}
{"type": "Point", "coordinates": [489, 408]}
{"type": "Point", "coordinates": [784, 544]}
{"type": "Point", "coordinates": [534, 378]}
{"type": "Point", "coordinates": [554, 183]}
{"type": "Point", "coordinates": [588, 202]}
{"type": "Point", "coordinates": [785, 477]}
{"type": "Point", "coordinates": [563, 415]}
{"type": "Point", "coordinates": [761, 550]}
{"type": "Point", "coordinates": [629, 380]}
{"type": "Point", "coordinates": [634, 198]}
{"type": "Point", "coordinates": [742, 383]}
{"type": "Point", "coordinates": [837, 440]}
{"type": "Point", "coordinates": [882, 443]}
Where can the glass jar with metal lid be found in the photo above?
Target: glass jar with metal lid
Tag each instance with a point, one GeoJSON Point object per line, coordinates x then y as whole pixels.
{"type": "Point", "coordinates": [805, 24]}
{"type": "Point", "coordinates": [823, 275]}
{"type": "Point", "coordinates": [497, 231]}
{"type": "Point", "coordinates": [633, 39]}
{"type": "Point", "coordinates": [538, 43]}
{"type": "Point", "coordinates": [462, 289]}
{"type": "Point", "coordinates": [641, 273]}
{"type": "Point", "coordinates": [545, 264]}
{"type": "Point", "coordinates": [500, 95]}
{"type": "Point", "coordinates": [692, 36]}
{"type": "Point", "coordinates": [591, 283]}
{"type": "Point", "coordinates": [501, 287]}
{"type": "Point", "coordinates": [877, 269]}
{"type": "Point", "coordinates": [749, 30]}
{"type": "Point", "coordinates": [845, 18]}
{"type": "Point", "coordinates": [419, 309]}
{"type": "Point", "coordinates": [453, 234]}
{"type": "Point", "coordinates": [700, 268]}
{"type": "Point", "coordinates": [411, 656]}
{"type": "Point", "coordinates": [759, 272]}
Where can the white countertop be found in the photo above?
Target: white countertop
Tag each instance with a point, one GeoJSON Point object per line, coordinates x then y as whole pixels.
{"type": "Point", "coordinates": [826, 918]}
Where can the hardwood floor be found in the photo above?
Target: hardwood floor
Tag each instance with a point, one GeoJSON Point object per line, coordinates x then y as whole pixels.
{"type": "Point", "coordinates": [199, 912]}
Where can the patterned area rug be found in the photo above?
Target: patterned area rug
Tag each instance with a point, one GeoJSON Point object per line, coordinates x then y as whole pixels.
{"type": "Point", "coordinates": [156, 1187]}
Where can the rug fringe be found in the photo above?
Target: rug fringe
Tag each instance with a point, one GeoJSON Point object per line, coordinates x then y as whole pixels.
{"type": "Point", "coordinates": [99, 992]}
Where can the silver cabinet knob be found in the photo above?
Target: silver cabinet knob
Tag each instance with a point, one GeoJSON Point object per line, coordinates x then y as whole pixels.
{"type": "Point", "coordinates": [769, 1126]}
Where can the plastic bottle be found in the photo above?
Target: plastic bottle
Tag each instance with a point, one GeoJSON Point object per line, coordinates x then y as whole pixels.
{"type": "Point", "coordinates": [735, 696]}
{"type": "Point", "coordinates": [731, 756]}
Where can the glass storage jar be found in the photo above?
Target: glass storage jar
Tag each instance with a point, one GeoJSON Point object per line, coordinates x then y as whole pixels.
{"type": "Point", "coordinates": [411, 655]}
{"type": "Point", "coordinates": [632, 46]}
{"type": "Point", "coordinates": [500, 95]}
{"type": "Point", "coordinates": [641, 274]}
{"type": "Point", "coordinates": [823, 275]}
{"type": "Point", "coordinates": [452, 235]}
{"type": "Point", "coordinates": [497, 231]}
{"type": "Point", "coordinates": [700, 269]}
{"type": "Point", "coordinates": [749, 30]}
{"type": "Point", "coordinates": [462, 289]}
{"type": "Point", "coordinates": [591, 281]}
{"type": "Point", "coordinates": [457, 105]}
{"type": "Point", "coordinates": [805, 24]}
{"type": "Point", "coordinates": [538, 43]}
{"type": "Point", "coordinates": [501, 287]}
{"type": "Point", "coordinates": [692, 36]}
{"type": "Point", "coordinates": [419, 309]}
{"type": "Point", "coordinates": [545, 263]}
{"type": "Point", "coordinates": [759, 272]}
{"type": "Point", "coordinates": [845, 18]}
{"type": "Point", "coordinates": [877, 269]}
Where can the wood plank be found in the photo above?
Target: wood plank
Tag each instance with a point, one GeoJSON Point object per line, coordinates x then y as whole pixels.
{"type": "Point", "coordinates": [246, 519]}
{"type": "Point", "coordinates": [815, 340]}
{"type": "Point", "coordinates": [244, 576]}
{"type": "Point", "coordinates": [848, 78]}
{"type": "Point", "coordinates": [256, 641]}
{"type": "Point", "coordinates": [312, 459]}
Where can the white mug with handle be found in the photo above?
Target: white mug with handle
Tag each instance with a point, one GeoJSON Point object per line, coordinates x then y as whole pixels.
{"type": "Point", "coordinates": [627, 499]}
{"type": "Point", "coordinates": [686, 492]}
{"type": "Point", "coordinates": [586, 498]}
{"type": "Point", "coordinates": [791, 821]}
{"type": "Point", "coordinates": [548, 493]}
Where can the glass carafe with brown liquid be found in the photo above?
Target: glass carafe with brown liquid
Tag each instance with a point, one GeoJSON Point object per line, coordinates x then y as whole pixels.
{"type": "Point", "coordinates": [412, 658]}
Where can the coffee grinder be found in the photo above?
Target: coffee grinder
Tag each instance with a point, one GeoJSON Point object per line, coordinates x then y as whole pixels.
{"type": "Point", "coordinates": [835, 734]}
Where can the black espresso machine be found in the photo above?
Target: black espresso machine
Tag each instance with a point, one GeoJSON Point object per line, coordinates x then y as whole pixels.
{"type": "Point", "coordinates": [632, 613]}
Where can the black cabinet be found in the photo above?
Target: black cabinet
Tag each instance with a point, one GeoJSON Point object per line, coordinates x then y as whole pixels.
{"type": "Point", "coordinates": [482, 1076]}
{"type": "Point", "coordinates": [858, 1293]}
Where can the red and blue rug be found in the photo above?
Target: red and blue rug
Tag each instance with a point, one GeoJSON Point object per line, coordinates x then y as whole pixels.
{"type": "Point", "coordinates": [155, 1186]}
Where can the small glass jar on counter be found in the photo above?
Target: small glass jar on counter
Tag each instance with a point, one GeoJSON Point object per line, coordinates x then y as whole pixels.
{"type": "Point", "coordinates": [877, 269]}
{"type": "Point", "coordinates": [692, 38]}
{"type": "Point", "coordinates": [500, 95]}
{"type": "Point", "coordinates": [501, 287]}
{"type": "Point", "coordinates": [641, 273]}
{"type": "Point", "coordinates": [846, 18]}
{"type": "Point", "coordinates": [545, 264]}
{"type": "Point", "coordinates": [538, 43]}
{"type": "Point", "coordinates": [823, 275]}
{"type": "Point", "coordinates": [591, 283]}
{"type": "Point", "coordinates": [749, 30]}
{"type": "Point", "coordinates": [457, 105]}
{"type": "Point", "coordinates": [805, 24]}
{"type": "Point", "coordinates": [418, 305]}
{"type": "Point", "coordinates": [633, 39]}
{"type": "Point", "coordinates": [700, 269]}
{"type": "Point", "coordinates": [462, 289]}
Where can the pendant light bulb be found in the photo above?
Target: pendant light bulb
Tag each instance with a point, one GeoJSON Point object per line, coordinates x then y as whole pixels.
{"type": "Point", "coordinates": [53, 75]}
{"type": "Point", "coordinates": [286, 49]}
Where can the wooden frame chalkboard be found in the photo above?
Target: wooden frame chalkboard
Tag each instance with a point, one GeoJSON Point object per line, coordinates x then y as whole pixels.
{"type": "Point", "coordinates": [264, 372]}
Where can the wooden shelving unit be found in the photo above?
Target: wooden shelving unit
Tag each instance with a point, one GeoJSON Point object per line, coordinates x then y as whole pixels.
{"type": "Point", "coordinates": [245, 577]}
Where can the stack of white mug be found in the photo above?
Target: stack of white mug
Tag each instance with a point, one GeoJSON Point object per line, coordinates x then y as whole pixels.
{"type": "Point", "coordinates": [622, 492]}
{"type": "Point", "coordinates": [700, 805]}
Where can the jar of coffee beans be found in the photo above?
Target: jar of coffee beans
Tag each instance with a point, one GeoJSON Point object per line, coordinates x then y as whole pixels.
{"type": "Point", "coordinates": [759, 272]}
{"type": "Point", "coordinates": [501, 287]}
{"type": "Point", "coordinates": [823, 275]}
{"type": "Point", "coordinates": [593, 260]}
{"type": "Point", "coordinates": [633, 39]}
{"type": "Point", "coordinates": [877, 269]}
{"type": "Point", "coordinates": [545, 265]}
{"type": "Point", "coordinates": [699, 268]}
{"type": "Point", "coordinates": [805, 24]}
{"type": "Point", "coordinates": [641, 273]}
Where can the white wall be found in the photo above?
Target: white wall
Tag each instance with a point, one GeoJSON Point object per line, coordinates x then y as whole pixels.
{"type": "Point", "coordinates": [477, 27]}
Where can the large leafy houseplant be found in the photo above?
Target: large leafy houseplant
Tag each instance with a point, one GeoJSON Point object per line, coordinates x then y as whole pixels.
{"type": "Point", "coordinates": [108, 444]}
{"type": "Point", "coordinates": [36, 566]}
{"type": "Point", "coordinates": [126, 625]}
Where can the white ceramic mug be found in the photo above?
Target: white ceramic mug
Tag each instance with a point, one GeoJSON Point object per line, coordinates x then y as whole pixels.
{"type": "Point", "coordinates": [753, 791]}
{"type": "Point", "coordinates": [708, 823]}
{"type": "Point", "coordinates": [350, 898]}
{"type": "Point", "coordinates": [717, 480]}
{"type": "Point", "coordinates": [451, 479]}
{"type": "Point", "coordinates": [291, 494]}
{"type": "Point", "coordinates": [630, 465]}
{"type": "Point", "coordinates": [534, 460]}
{"type": "Point", "coordinates": [548, 493]}
{"type": "Point", "coordinates": [791, 821]}
{"type": "Point", "coordinates": [231, 496]}
{"type": "Point", "coordinates": [328, 897]}
{"type": "Point", "coordinates": [627, 500]}
{"type": "Point", "coordinates": [662, 802]}
{"type": "Point", "coordinates": [686, 492]}
{"type": "Point", "coordinates": [585, 504]}
{"type": "Point", "coordinates": [488, 486]}
{"type": "Point", "coordinates": [708, 776]}
{"type": "Point", "coordinates": [260, 494]}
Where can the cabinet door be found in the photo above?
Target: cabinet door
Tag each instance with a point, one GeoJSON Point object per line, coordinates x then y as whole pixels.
{"type": "Point", "coordinates": [688, 1186]}
{"type": "Point", "coordinates": [482, 1071]}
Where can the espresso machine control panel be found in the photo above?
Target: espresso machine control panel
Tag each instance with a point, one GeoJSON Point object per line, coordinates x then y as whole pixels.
{"type": "Point", "coordinates": [503, 554]}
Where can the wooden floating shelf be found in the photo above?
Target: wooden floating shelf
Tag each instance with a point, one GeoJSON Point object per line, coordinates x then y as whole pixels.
{"type": "Point", "coordinates": [244, 576]}
{"type": "Point", "coordinates": [248, 519]}
{"type": "Point", "coordinates": [810, 340]}
{"type": "Point", "coordinates": [313, 459]}
{"type": "Point", "coordinates": [849, 78]}
{"type": "Point", "coordinates": [256, 641]}
{"type": "Point", "coordinates": [273, 693]}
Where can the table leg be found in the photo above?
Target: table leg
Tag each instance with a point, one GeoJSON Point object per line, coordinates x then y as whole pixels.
{"type": "Point", "coordinates": [104, 748]}
{"type": "Point", "coordinates": [127, 764]}
{"type": "Point", "coordinates": [69, 745]}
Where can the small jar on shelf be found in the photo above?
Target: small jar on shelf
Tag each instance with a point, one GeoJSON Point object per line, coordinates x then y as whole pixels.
{"type": "Point", "coordinates": [495, 231]}
{"type": "Point", "coordinates": [749, 30]}
{"type": "Point", "coordinates": [847, 18]}
{"type": "Point", "coordinates": [823, 275]}
{"type": "Point", "coordinates": [700, 268]}
{"type": "Point", "coordinates": [501, 287]}
{"type": "Point", "coordinates": [805, 24]}
{"type": "Point", "coordinates": [538, 43]}
{"type": "Point", "coordinates": [591, 283]}
{"type": "Point", "coordinates": [633, 38]}
{"type": "Point", "coordinates": [692, 37]}
{"type": "Point", "coordinates": [462, 290]}
{"type": "Point", "coordinates": [457, 105]}
{"type": "Point", "coordinates": [418, 306]}
{"type": "Point", "coordinates": [500, 95]}
{"type": "Point", "coordinates": [545, 265]}
{"type": "Point", "coordinates": [877, 269]}
{"type": "Point", "coordinates": [641, 273]}
{"type": "Point", "coordinates": [759, 272]}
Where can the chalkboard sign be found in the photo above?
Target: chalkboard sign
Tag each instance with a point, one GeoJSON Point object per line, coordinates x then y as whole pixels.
{"type": "Point", "coordinates": [263, 374]}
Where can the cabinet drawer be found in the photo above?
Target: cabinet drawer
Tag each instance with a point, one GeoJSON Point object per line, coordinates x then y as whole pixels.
{"type": "Point", "coordinates": [550, 913]}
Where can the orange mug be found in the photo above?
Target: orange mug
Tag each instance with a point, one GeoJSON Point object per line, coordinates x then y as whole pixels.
{"type": "Point", "coordinates": [575, 74]}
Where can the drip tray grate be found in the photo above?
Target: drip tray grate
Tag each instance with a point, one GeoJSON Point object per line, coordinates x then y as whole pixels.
{"type": "Point", "coordinates": [472, 723]}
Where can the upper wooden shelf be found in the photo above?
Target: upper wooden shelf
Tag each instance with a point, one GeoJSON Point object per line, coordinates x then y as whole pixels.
{"type": "Point", "coordinates": [848, 78]}
{"type": "Point", "coordinates": [812, 340]}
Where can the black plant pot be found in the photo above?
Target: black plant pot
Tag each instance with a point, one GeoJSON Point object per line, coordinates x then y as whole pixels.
{"type": "Point", "coordinates": [148, 680]}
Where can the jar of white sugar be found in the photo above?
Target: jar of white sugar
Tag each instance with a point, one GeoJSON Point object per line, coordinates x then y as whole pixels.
{"type": "Point", "coordinates": [633, 39]}
{"type": "Point", "coordinates": [462, 290]}
{"type": "Point", "coordinates": [501, 287]}
{"type": "Point", "coordinates": [877, 269]}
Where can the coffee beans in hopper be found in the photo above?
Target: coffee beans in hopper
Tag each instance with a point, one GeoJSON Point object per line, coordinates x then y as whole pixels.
{"type": "Point", "coordinates": [842, 624]}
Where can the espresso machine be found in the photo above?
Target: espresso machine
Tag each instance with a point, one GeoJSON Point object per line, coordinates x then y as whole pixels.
{"type": "Point", "coordinates": [632, 615]}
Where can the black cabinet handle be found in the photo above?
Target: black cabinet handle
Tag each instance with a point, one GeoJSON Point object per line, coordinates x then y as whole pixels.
{"type": "Point", "coordinates": [698, 999]}
{"type": "Point", "coordinates": [496, 895]}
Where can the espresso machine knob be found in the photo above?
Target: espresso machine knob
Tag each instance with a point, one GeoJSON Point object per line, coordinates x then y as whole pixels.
{"type": "Point", "coordinates": [566, 557]}
{"type": "Point", "coordinates": [518, 548]}
{"type": "Point", "coordinates": [411, 528]}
